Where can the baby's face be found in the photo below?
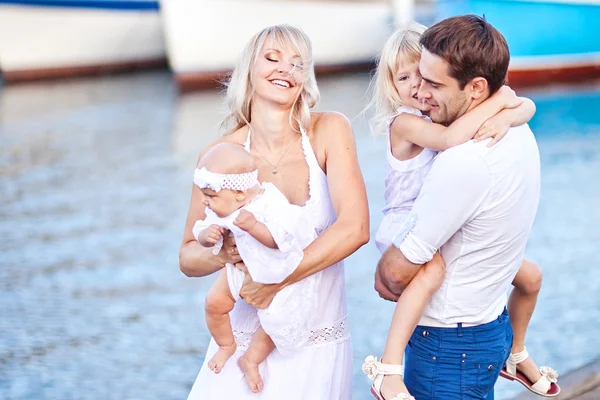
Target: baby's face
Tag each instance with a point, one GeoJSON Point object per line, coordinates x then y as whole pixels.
{"type": "Point", "coordinates": [223, 203]}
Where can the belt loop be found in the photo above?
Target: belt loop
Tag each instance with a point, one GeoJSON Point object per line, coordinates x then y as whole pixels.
{"type": "Point", "coordinates": [460, 331]}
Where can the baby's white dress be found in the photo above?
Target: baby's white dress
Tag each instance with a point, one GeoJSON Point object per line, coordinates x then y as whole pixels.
{"type": "Point", "coordinates": [286, 320]}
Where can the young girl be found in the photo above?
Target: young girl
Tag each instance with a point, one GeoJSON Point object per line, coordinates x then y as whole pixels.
{"type": "Point", "coordinates": [270, 239]}
{"type": "Point", "coordinates": [413, 144]}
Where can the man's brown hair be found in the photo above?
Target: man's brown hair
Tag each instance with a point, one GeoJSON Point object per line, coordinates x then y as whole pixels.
{"type": "Point", "coordinates": [472, 47]}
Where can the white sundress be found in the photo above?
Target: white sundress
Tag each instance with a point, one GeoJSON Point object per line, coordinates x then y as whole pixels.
{"type": "Point", "coordinates": [403, 182]}
{"type": "Point", "coordinates": [286, 320]}
{"type": "Point", "coordinates": [321, 369]}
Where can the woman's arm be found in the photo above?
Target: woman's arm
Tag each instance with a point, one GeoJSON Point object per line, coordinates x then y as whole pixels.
{"type": "Point", "coordinates": [348, 195]}
{"type": "Point", "coordinates": [349, 198]}
{"type": "Point", "coordinates": [194, 259]}
{"type": "Point", "coordinates": [439, 137]}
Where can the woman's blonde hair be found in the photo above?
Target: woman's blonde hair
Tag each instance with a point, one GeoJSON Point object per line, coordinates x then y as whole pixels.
{"type": "Point", "coordinates": [402, 45]}
{"type": "Point", "coordinates": [239, 91]}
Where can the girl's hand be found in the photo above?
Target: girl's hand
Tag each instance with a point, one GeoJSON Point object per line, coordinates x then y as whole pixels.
{"type": "Point", "coordinates": [210, 235]}
{"type": "Point", "coordinates": [258, 295]}
{"type": "Point", "coordinates": [509, 97]}
{"type": "Point", "coordinates": [245, 220]}
{"type": "Point", "coordinates": [495, 127]}
{"type": "Point", "coordinates": [229, 253]}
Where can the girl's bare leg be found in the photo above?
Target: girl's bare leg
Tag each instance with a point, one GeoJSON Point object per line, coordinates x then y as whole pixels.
{"type": "Point", "coordinates": [219, 302]}
{"type": "Point", "coordinates": [260, 347]}
{"type": "Point", "coordinates": [521, 304]}
{"type": "Point", "coordinates": [409, 310]}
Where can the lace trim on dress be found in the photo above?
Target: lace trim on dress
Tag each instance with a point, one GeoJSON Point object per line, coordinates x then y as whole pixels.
{"type": "Point", "coordinates": [242, 339]}
{"type": "Point", "coordinates": [337, 332]}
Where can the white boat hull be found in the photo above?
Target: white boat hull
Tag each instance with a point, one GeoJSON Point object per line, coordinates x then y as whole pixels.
{"type": "Point", "coordinates": [45, 42]}
{"type": "Point", "coordinates": [204, 37]}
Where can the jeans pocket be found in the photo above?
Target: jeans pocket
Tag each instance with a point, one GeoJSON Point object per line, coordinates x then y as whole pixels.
{"type": "Point", "coordinates": [480, 375]}
{"type": "Point", "coordinates": [420, 373]}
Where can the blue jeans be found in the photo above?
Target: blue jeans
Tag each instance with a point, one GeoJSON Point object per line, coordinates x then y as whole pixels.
{"type": "Point", "coordinates": [457, 363]}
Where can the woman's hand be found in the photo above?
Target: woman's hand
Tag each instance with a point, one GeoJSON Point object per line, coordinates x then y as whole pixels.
{"type": "Point", "coordinates": [258, 295]}
{"type": "Point", "coordinates": [229, 252]}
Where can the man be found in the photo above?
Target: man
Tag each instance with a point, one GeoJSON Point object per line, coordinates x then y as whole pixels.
{"type": "Point", "coordinates": [476, 207]}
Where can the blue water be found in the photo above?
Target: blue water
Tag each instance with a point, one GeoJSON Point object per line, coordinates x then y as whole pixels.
{"type": "Point", "coordinates": [95, 177]}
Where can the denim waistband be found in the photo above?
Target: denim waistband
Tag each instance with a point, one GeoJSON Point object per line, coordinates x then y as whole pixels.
{"type": "Point", "coordinates": [460, 330]}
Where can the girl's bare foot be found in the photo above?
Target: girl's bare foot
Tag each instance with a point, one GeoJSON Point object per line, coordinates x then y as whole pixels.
{"type": "Point", "coordinates": [392, 385]}
{"type": "Point", "coordinates": [220, 358]}
{"type": "Point", "coordinates": [251, 373]}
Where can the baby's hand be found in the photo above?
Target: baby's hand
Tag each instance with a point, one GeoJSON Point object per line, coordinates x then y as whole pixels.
{"type": "Point", "coordinates": [509, 97]}
{"type": "Point", "coordinates": [208, 237]}
{"type": "Point", "coordinates": [245, 220]}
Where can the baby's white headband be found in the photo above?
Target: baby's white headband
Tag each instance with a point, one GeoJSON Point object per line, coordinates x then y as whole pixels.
{"type": "Point", "coordinates": [205, 179]}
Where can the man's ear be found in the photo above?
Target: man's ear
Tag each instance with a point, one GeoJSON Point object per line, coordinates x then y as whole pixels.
{"type": "Point", "coordinates": [478, 88]}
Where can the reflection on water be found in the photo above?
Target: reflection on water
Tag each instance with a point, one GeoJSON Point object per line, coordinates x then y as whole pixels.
{"type": "Point", "coordinates": [94, 180]}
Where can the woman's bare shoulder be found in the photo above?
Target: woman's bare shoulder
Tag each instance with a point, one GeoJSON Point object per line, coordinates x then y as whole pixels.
{"type": "Point", "coordinates": [329, 124]}
{"type": "Point", "coordinates": [328, 119]}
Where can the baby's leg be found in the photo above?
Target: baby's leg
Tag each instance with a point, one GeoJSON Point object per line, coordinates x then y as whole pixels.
{"type": "Point", "coordinates": [409, 310]}
{"type": "Point", "coordinates": [260, 347]}
{"type": "Point", "coordinates": [219, 303]}
{"type": "Point", "coordinates": [521, 304]}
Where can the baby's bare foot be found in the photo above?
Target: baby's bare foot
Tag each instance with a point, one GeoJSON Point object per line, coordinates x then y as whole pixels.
{"type": "Point", "coordinates": [250, 370]}
{"type": "Point", "coordinates": [220, 358]}
{"type": "Point", "coordinates": [392, 385]}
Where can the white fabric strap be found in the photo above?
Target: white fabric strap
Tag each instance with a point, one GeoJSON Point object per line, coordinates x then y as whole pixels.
{"type": "Point", "coordinates": [376, 370]}
{"type": "Point", "coordinates": [514, 359]}
{"type": "Point", "coordinates": [205, 179]}
{"type": "Point", "coordinates": [372, 368]}
{"type": "Point", "coordinates": [403, 396]}
{"type": "Point", "coordinates": [549, 376]}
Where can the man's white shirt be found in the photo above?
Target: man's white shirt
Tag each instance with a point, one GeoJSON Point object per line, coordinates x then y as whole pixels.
{"type": "Point", "coordinates": [477, 206]}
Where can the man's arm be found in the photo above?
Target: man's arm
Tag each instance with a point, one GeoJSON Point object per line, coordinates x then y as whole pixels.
{"type": "Point", "coordinates": [451, 196]}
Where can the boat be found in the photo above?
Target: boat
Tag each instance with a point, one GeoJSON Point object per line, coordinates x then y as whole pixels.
{"type": "Point", "coordinates": [549, 40]}
{"type": "Point", "coordinates": [63, 38]}
{"type": "Point", "coordinates": [204, 37]}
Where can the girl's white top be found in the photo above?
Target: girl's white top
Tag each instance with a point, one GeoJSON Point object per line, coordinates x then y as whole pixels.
{"type": "Point", "coordinates": [321, 369]}
{"type": "Point", "coordinates": [283, 220]}
{"type": "Point", "coordinates": [403, 182]}
{"type": "Point", "coordinates": [403, 179]}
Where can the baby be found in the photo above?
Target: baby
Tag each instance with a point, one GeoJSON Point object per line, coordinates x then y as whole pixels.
{"type": "Point", "coordinates": [269, 238]}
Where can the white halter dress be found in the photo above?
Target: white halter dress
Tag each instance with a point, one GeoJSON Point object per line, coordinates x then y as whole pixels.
{"type": "Point", "coordinates": [321, 369]}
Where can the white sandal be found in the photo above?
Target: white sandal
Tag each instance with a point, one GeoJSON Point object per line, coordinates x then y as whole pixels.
{"type": "Point", "coordinates": [376, 371]}
{"type": "Point", "coordinates": [546, 386]}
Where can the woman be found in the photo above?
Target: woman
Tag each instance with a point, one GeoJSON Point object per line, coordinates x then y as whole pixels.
{"type": "Point", "coordinates": [311, 158]}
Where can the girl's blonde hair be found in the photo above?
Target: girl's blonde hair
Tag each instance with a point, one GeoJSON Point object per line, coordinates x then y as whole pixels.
{"type": "Point", "coordinates": [238, 96]}
{"type": "Point", "coordinates": [402, 45]}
